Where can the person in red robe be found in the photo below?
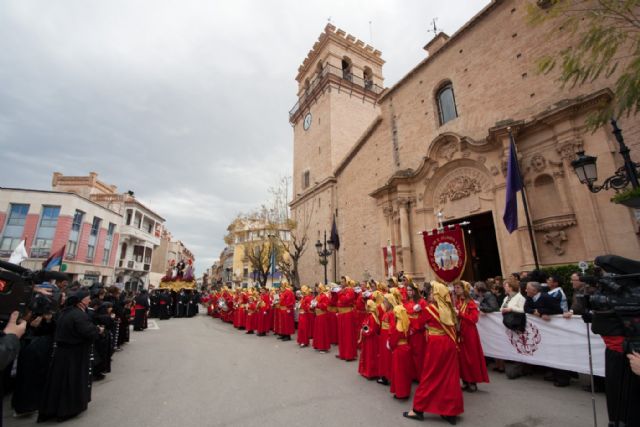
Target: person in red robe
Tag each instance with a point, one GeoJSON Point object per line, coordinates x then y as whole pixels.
{"type": "Point", "coordinates": [228, 313]}
{"type": "Point", "coordinates": [402, 370]}
{"type": "Point", "coordinates": [384, 350]}
{"type": "Point", "coordinates": [264, 308]}
{"type": "Point", "coordinates": [275, 312]}
{"type": "Point", "coordinates": [415, 306]}
{"type": "Point", "coordinates": [473, 368]}
{"type": "Point", "coordinates": [362, 294]}
{"type": "Point", "coordinates": [236, 312]}
{"type": "Point", "coordinates": [252, 307]}
{"type": "Point", "coordinates": [439, 390]}
{"type": "Point", "coordinates": [321, 338]}
{"type": "Point", "coordinates": [287, 304]}
{"type": "Point", "coordinates": [305, 315]}
{"type": "Point", "coordinates": [332, 311]}
{"type": "Point", "coordinates": [368, 342]}
{"type": "Point", "coordinates": [347, 329]}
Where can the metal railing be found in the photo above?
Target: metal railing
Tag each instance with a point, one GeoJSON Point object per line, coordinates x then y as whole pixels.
{"type": "Point", "coordinates": [366, 84]}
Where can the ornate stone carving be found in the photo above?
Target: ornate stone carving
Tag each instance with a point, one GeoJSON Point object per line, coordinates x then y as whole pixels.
{"type": "Point", "coordinates": [448, 149]}
{"type": "Point", "coordinates": [538, 163]}
{"type": "Point", "coordinates": [494, 170]}
{"type": "Point", "coordinates": [556, 238]}
{"type": "Point", "coordinates": [459, 188]}
{"type": "Point", "coordinates": [387, 211]}
{"type": "Point", "coordinates": [568, 149]}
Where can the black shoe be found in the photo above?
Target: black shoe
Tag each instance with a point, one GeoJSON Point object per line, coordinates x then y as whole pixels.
{"type": "Point", "coordinates": [419, 416]}
{"type": "Point", "coordinates": [451, 419]}
{"type": "Point", "coordinates": [550, 377]}
{"type": "Point", "coordinates": [261, 335]}
{"type": "Point", "coordinates": [561, 383]}
{"type": "Point", "coordinates": [286, 338]}
{"type": "Point", "coordinates": [400, 398]}
{"type": "Point", "coordinates": [249, 332]}
{"type": "Point", "coordinates": [99, 377]}
{"type": "Point", "coordinates": [383, 381]}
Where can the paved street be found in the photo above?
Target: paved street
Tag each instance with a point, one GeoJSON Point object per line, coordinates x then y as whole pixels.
{"type": "Point", "coordinates": [201, 372]}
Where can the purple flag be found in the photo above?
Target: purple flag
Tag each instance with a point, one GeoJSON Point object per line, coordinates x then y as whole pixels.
{"type": "Point", "coordinates": [514, 184]}
{"type": "Point", "coordinates": [335, 238]}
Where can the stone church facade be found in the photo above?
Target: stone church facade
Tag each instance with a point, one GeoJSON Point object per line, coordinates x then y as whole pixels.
{"type": "Point", "coordinates": [385, 162]}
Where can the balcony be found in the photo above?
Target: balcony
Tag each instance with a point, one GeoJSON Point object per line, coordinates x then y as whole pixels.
{"type": "Point", "coordinates": [128, 230]}
{"type": "Point", "coordinates": [40, 253]}
{"type": "Point", "coordinates": [330, 72]}
{"type": "Point", "coordinates": [133, 265]}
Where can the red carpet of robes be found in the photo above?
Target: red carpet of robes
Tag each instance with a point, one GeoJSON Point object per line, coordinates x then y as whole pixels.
{"type": "Point", "coordinates": [473, 368]}
{"type": "Point", "coordinates": [439, 390]}
{"type": "Point", "coordinates": [368, 364]}
{"type": "Point", "coordinates": [384, 353]}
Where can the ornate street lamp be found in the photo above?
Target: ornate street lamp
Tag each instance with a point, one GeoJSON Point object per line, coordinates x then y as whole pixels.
{"type": "Point", "coordinates": [587, 172]}
{"type": "Point", "coordinates": [323, 253]}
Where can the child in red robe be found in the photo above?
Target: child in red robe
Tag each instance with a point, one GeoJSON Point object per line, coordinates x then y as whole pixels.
{"type": "Point", "coordinates": [304, 317]}
{"type": "Point", "coordinates": [368, 365]}
{"type": "Point", "coordinates": [321, 338]}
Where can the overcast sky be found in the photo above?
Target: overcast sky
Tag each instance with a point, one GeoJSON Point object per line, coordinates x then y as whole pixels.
{"type": "Point", "coordinates": [184, 102]}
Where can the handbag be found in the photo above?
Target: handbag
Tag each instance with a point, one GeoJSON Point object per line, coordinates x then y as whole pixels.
{"type": "Point", "coordinates": [514, 321]}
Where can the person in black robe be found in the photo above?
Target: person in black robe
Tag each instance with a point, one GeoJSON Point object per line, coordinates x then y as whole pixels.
{"type": "Point", "coordinates": [141, 307]}
{"type": "Point", "coordinates": [103, 348]}
{"type": "Point", "coordinates": [67, 391]}
{"type": "Point", "coordinates": [181, 306]}
{"type": "Point", "coordinates": [125, 321]}
{"type": "Point", "coordinates": [154, 299]}
{"type": "Point", "coordinates": [164, 304]}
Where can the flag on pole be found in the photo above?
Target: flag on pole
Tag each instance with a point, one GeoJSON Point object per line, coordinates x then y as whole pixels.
{"type": "Point", "coordinates": [19, 254]}
{"type": "Point", "coordinates": [335, 238]}
{"type": "Point", "coordinates": [273, 263]}
{"type": "Point", "coordinates": [54, 259]}
{"type": "Point", "coordinates": [514, 184]}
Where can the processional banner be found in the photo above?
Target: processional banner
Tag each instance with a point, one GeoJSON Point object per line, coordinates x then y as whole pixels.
{"type": "Point", "coordinates": [446, 252]}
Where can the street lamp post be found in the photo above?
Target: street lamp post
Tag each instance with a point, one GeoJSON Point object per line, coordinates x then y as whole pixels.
{"type": "Point", "coordinates": [585, 167]}
{"type": "Point", "coordinates": [324, 252]}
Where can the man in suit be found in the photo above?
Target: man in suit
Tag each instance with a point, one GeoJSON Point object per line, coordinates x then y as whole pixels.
{"type": "Point", "coordinates": [540, 304]}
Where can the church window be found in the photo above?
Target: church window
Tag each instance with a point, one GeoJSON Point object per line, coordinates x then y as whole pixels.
{"type": "Point", "coordinates": [367, 76]}
{"type": "Point", "coordinates": [305, 180]}
{"type": "Point", "coordinates": [346, 69]}
{"type": "Point", "coordinates": [446, 104]}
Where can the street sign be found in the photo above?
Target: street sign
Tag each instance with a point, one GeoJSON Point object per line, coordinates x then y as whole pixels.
{"type": "Point", "coordinates": [582, 265]}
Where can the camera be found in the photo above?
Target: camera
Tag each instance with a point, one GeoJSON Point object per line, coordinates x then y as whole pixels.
{"type": "Point", "coordinates": [616, 302]}
{"type": "Point", "coordinates": [17, 286]}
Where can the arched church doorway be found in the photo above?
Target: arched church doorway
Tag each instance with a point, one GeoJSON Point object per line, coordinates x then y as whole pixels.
{"type": "Point", "coordinates": [483, 258]}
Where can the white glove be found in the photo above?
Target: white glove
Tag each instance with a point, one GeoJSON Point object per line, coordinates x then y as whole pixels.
{"type": "Point", "coordinates": [388, 345]}
{"type": "Point", "coordinates": [357, 290]}
{"type": "Point", "coordinates": [335, 289]}
{"type": "Point", "coordinates": [288, 311]}
{"type": "Point", "coordinates": [417, 307]}
{"type": "Point", "coordinates": [367, 294]}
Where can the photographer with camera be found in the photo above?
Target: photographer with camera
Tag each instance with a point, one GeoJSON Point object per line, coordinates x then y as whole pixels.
{"type": "Point", "coordinates": [614, 313]}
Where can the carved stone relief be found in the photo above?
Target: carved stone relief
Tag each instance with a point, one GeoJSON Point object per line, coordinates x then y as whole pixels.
{"type": "Point", "coordinates": [448, 149]}
{"type": "Point", "coordinates": [568, 149]}
{"type": "Point", "coordinates": [556, 238]}
{"type": "Point", "coordinates": [459, 188]}
{"type": "Point", "coordinates": [538, 163]}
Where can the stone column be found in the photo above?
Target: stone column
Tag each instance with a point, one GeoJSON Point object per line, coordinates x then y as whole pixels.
{"type": "Point", "coordinates": [405, 234]}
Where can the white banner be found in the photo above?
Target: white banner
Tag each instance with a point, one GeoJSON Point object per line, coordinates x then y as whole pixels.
{"type": "Point", "coordinates": [558, 343]}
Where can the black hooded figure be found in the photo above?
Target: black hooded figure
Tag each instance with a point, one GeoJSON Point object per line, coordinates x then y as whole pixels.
{"type": "Point", "coordinates": [67, 391]}
{"type": "Point", "coordinates": [103, 346]}
{"type": "Point", "coordinates": [141, 307]}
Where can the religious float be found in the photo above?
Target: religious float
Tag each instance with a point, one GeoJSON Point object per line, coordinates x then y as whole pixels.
{"type": "Point", "coordinates": [179, 276]}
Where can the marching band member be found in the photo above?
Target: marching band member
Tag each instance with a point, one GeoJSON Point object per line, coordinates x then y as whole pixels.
{"type": "Point", "coordinates": [415, 306]}
{"type": "Point", "coordinates": [305, 315]}
{"type": "Point", "coordinates": [384, 350]}
{"type": "Point", "coordinates": [473, 368]}
{"type": "Point", "coordinates": [321, 338]}
{"type": "Point", "coordinates": [439, 389]}
{"type": "Point", "coordinates": [347, 329]}
{"type": "Point", "coordinates": [287, 303]}
{"type": "Point", "coordinates": [368, 365]}
{"type": "Point", "coordinates": [264, 313]}
{"type": "Point", "coordinates": [252, 307]}
{"type": "Point", "coordinates": [332, 313]}
{"type": "Point", "coordinates": [402, 370]}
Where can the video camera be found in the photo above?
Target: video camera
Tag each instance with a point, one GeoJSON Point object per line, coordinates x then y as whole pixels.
{"type": "Point", "coordinates": [17, 287]}
{"type": "Point", "coordinates": [616, 302]}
